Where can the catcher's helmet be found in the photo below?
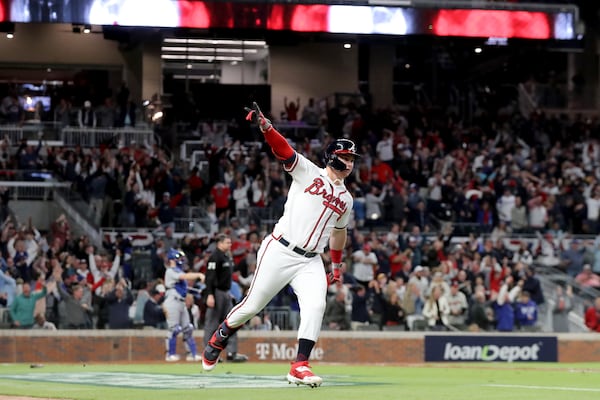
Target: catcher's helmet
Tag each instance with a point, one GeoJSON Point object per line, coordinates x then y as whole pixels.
{"type": "Point", "coordinates": [339, 146]}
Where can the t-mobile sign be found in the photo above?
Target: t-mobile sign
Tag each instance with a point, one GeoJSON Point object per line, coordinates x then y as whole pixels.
{"type": "Point", "coordinates": [491, 348]}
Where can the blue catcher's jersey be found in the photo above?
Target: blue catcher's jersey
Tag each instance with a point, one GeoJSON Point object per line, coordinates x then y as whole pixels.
{"type": "Point", "coordinates": [172, 281]}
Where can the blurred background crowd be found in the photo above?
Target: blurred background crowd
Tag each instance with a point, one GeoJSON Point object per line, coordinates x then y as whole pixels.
{"type": "Point", "coordinates": [452, 221]}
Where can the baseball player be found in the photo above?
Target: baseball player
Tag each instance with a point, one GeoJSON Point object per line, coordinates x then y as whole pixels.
{"type": "Point", "coordinates": [316, 213]}
{"type": "Point", "coordinates": [178, 319]}
{"type": "Point", "coordinates": [218, 299]}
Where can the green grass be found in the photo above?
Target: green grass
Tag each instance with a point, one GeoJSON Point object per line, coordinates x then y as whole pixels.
{"type": "Point", "coordinates": [545, 381]}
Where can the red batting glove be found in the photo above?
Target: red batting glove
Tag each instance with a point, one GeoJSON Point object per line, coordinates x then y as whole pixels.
{"type": "Point", "coordinates": [256, 116]}
{"type": "Point", "coordinates": [335, 274]}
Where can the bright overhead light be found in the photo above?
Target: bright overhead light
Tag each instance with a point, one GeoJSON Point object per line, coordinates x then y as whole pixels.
{"type": "Point", "coordinates": [219, 42]}
{"type": "Point", "coordinates": [156, 116]}
{"type": "Point", "coordinates": [391, 3]}
{"type": "Point", "coordinates": [10, 35]}
{"type": "Point", "coordinates": [200, 58]}
{"type": "Point", "coordinates": [207, 50]}
{"type": "Point", "coordinates": [347, 45]}
{"type": "Point", "coordinates": [478, 50]}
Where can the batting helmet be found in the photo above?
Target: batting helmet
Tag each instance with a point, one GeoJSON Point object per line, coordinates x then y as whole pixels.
{"type": "Point", "coordinates": [173, 254]}
{"type": "Point", "coordinates": [339, 146]}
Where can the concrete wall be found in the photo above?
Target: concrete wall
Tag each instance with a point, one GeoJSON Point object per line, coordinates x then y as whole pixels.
{"type": "Point", "coordinates": [42, 213]}
{"type": "Point", "coordinates": [311, 70]}
{"type": "Point", "coordinates": [339, 347]}
{"type": "Point", "coordinates": [45, 44]}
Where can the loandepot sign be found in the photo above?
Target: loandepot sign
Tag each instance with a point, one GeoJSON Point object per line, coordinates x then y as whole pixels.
{"type": "Point", "coordinates": [491, 353]}
{"type": "Point", "coordinates": [164, 381]}
{"type": "Point", "coordinates": [491, 348]}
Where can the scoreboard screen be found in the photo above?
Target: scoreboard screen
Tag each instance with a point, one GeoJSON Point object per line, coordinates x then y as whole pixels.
{"type": "Point", "coordinates": [344, 18]}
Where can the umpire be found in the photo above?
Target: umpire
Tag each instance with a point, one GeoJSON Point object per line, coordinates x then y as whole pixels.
{"type": "Point", "coordinates": [217, 297]}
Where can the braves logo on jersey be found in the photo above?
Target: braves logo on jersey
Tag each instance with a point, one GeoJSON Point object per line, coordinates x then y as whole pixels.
{"type": "Point", "coordinates": [317, 188]}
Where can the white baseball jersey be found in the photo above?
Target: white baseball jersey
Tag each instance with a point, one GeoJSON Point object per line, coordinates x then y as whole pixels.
{"type": "Point", "coordinates": [314, 206]}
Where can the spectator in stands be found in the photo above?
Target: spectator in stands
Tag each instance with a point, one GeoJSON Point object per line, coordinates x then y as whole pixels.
{"type": "Point", "coordinates": [153, 314]}
{"type": "Point", "coordinates": [503, 304]}
{"type": "Point", "coordinates": [596, 255]}
{"type": "Point", "coordinates": [526, 313]}
{"type": "Point", "coordinates": [11, 109]}
{"type": "Point", "coordinates": [522, 255]}
{"type": "Point", "coordinates": [336, 317]}
{"type": "Point", "coordinates": [481, 315]}
{"type": "Point", "coordinates": [62, 113]}
{"type": "Point", "coordinates": [364, 265]}
{"type": "Point", "coordinates": [22, 308]}
{"type": "Point", "coordinates": [592, 316]}
{"type": "Point", "coordinates": [547, 251]}
{"type": "Point", "coordinates": [375, 302]}
{"type": "Point", "coordinates": [60, 231]}
{"type": "Point", "coordinates": [74, 312]}
{"type": "Point", "coordinates": [101, 267]}
{"type": "Point", "coordinates": [220, 196]}
{"type": "Point", "coordinates": [28, 156]}
{"type": "Point", "coordinates": [142, 295]}
{"type": "Point", "coordinates": [193, 310]}
{"type": "Point", "coordinates": [97, 194]}
{"type": "Point", "coordinates": [240, 195]}
{"type": "Point", "coordinates": [105, 287]}
{"type": "Point", "coordinates": [505, 204]}
{"type": "Point", "coordinates": [106, 114]}
{"type": "Point", "coordinates": [359, 315]}
{"type": "Point", "coordinates": [291, 109]}
{"type": "Point", "coordinates": [485, 216]}
{"type": "Point", "coordinates": [538, 213]}
{"type": "Point", "coordinates": [588, 278]}
{"type": "Point", "coordinates": [86, 116]}
{"type": "Point", "coordinates": [563, 304]}
{"type": "Point", "coordinates": [41, 323]}
{"type": "Point", "coordinates": [119, 300]}
{"type": "Point", "coordinates": [166, 212]}
{"type": "Point", "coordinates": [197, 186]}
{"type": "Point", "coordinates": [393, 313]}
{"type": "Point", "coordinates": [438, 280]}
{"type": "Point", "coordinates": [5, 160]}
{"type": "Point", "coordinates": [533, 286]}
{"type": "Point", "coordinates": [311, 115]}
{"type": "Point", "coordinates": [22, 260]}
{"type": "Point", "coordinates": [518, 216]}
{"type": "Point", "coordinates": [457, 302]}
{"type": "Point", "coordinates": [8, 288]}
{"type": "Point", "coordinates": [381, 174]}
{"type": "Point", "coordinates": [572, 258]}
{"type": "Point", "coordinates": [436, 310]}
{"type": "Point", "coordinates": [412, 299]}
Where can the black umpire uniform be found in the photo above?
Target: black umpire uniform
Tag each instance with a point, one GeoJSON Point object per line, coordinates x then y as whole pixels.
{"type": "Point", "coordinates": [218, 283]}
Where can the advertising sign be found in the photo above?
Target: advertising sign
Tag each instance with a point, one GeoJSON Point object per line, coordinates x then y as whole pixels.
{"type": "Point", "coordinates": [491, 348]}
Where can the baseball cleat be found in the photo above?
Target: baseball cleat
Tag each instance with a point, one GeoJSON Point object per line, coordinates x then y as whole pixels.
{"type": "Point", "coordinates": [236, 357]}
{"type": "Point", "coordinates": [210, 357]}
{"type": "Point", "coordinates": [301, 374]}
{"type": "Point", "coordinates": [212, 351]}
{"type": "Point", "coordinates": [193, 358]}
{"type": "Point", "coordinates": [172, 357]}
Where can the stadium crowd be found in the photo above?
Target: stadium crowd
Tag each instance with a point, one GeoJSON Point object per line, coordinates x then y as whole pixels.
{"type": "Point", "coordinates": [424, 181]}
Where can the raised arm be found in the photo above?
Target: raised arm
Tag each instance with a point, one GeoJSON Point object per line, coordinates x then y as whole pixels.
{"type": "Point", "coordinates": [279, 145]}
